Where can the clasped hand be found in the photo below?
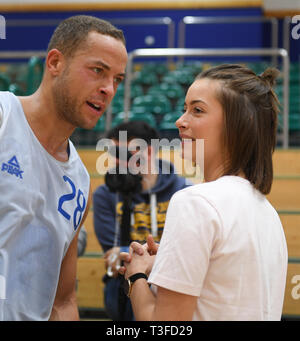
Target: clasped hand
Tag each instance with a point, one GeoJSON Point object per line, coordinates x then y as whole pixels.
{"type": "Point", "coordinates": [139, 259]}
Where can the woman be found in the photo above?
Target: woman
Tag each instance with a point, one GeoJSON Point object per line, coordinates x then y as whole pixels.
{"type": "Point", "coordinates": [223, 253]}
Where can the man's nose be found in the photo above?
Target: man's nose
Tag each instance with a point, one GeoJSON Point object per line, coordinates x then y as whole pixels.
{"type": "Point", "coordinates": [107, 88]}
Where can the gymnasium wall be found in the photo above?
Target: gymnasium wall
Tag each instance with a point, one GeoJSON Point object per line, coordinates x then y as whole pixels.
{"type": "Point", "coordinates": [29, 25]}
{"type": "Point", "coordinates": [41, 17]}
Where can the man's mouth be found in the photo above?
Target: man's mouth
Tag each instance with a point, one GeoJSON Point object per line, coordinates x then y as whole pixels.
{"type": "Point", "coordinates": [95, 106]}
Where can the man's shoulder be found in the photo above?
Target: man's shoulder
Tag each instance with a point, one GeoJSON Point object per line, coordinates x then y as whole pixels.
{"type": "Point", "coordinates": [103, 191]}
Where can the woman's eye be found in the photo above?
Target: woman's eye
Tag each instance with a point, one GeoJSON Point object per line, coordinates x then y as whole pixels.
{"type": "Point", "coordinates": [198, 110]}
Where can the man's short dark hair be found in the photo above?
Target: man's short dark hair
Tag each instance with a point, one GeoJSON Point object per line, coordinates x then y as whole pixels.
{"type": "Point", "coordinates": [73, 31]}
{"type": "Point", "coordinates": [134, 129]}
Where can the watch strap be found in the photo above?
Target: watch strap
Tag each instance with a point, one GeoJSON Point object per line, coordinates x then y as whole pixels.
{"type": "Point", "coordinates": [136, 276]}
{"type": "Point", "coordinates": [132, 279]}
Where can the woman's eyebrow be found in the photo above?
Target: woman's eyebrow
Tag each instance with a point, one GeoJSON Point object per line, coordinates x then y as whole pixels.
{"type": "Point", "coordinates": [196, 101]}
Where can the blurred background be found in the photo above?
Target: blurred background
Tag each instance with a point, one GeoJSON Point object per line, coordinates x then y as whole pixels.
{"type": "Point", "coordinates": [262, 33]}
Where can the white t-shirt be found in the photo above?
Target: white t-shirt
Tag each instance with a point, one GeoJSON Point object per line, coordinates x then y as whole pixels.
{"type": "Point", "coordinates": [224, 243]}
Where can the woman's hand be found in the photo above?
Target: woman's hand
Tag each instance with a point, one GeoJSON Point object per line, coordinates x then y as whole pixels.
{"type": "Point", "coordinates": [138, 262]}
{"type": "Point", "coordinates": [140, 258]}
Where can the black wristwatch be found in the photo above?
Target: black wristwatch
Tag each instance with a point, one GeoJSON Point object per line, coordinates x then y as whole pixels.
{"type": "Point", "coordinates": [129, 282]}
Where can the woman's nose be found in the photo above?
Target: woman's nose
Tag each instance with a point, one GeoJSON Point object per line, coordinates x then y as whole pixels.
{"type": "Point", "coordinates": [181, 122]}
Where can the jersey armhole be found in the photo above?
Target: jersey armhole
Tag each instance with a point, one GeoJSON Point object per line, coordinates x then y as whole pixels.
{"type": "Point", "coordinates": [1, 117]}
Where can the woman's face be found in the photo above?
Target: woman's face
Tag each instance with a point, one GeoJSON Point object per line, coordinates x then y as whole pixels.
{"type": "Point", "coordinates": [203, 120]}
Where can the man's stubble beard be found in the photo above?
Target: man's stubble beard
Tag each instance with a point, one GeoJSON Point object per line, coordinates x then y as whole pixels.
{"type": "Point", "coordinates": [66, 106]}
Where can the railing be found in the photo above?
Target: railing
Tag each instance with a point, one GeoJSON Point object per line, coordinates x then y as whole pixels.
{"type": "Point", "coordinates": [21, 54]}
{"type": "Point", "coordinates": [180, 52]}
{"type": "Point", "coordinates": [190, 20]}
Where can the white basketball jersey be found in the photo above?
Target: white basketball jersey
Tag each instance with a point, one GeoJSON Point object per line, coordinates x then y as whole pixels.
{"type": "Point", "coordinates": [42, 202]}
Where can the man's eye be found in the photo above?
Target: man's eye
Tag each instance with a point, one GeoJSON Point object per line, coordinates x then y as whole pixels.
{"type": "Point", "coordinates": [118, 80]}
{"type": "Point", "coordinates": [97, 69]}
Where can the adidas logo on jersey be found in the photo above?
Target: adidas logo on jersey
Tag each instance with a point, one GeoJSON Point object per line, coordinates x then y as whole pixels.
{"type": "Point", "coordinates": [12, 167]}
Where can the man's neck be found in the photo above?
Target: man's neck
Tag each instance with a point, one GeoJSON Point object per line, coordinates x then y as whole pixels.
{"type": "Point", "coordinates": [48, 129]}
{"type": "Point", "coordinates": [149, 181]}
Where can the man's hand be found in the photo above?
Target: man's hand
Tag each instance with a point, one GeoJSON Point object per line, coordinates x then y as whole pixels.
{"type": "Point", "coordinates": [112, 261]}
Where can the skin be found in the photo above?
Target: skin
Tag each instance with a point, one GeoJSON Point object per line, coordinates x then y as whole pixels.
{"type": "Point", "coordinates": [60, 105]}
{"type": "Point", "coordinates": [202, 119]}
{"type": "Point", "coordinates": [61, 102]}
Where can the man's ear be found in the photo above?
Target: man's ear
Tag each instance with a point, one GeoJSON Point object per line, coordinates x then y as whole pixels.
{"type": "Point", "coordinates": [55, 61]}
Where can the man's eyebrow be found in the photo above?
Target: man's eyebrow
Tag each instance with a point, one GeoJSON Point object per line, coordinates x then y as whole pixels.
{"type": "Point", "coordinates": [107, 67]}
{"type": "Point", "coordinates": [100, 63]}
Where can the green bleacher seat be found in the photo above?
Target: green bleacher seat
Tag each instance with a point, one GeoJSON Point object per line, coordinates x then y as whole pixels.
{"type": "Point", "coordinates": [294, 91]}
{"type": "Point", "coordinates": [117, 104]}
{"type": "Point", "coordinates": [167, 126]}
{"type": "Point", "coordinates": [100, 126]}
{"type": "Point", "coordinates": [147, 117]}
{"type": "Point", "coordinates": [168, 121]}
{"type": "Point", "coordinates": [258, 67]}
{"type": "Point", "coordinates": [294, 78]}
{"type": "Point", "coordinates": [171, 90]}
{"type": "Point", "coordinates": [35, 74]}
{"type": "Point", "coordinates": [135, 90]}
{"type": "Point", "coordinates": [4, 82]}
{"type": "Point", "coordinates": [145, 79]}
{"type": "Point", "coordinates": [16, 89]}
{"type": "Point", "coordinates": [294, 66]}
{"type": "Point", "coordinates": [180, 105]}
{"type": "Point", "coordinates": [152, 103]}
{"type": "Point", "coordinates": [158, 68]}
{"type": "Point", "coordinates": [183, 77]}
{"type": "Point", "coordinates": [193, 68]}
{"type": "Point", "coordinates": [294, 122]}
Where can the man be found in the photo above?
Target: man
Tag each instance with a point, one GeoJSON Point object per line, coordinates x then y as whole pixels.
{"type": "Point", "coordinates": [149, 202]}
{"type": "Point", "coordinates": [44, 185]}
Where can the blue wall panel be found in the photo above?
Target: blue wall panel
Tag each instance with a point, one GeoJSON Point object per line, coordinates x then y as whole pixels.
{"type": "Point", "coordinates": [204, 36]}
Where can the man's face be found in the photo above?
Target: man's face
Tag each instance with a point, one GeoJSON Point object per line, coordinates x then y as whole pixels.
{"type": "Point", "coordinates": [89, 80]}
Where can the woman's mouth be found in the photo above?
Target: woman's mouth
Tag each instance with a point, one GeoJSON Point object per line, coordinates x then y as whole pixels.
{"type": "Point", "coordinates": [185, 138]}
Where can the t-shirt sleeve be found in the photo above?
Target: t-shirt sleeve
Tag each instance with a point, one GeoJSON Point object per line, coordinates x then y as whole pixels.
{"type": "Point", "coordinates": [192, 227]}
